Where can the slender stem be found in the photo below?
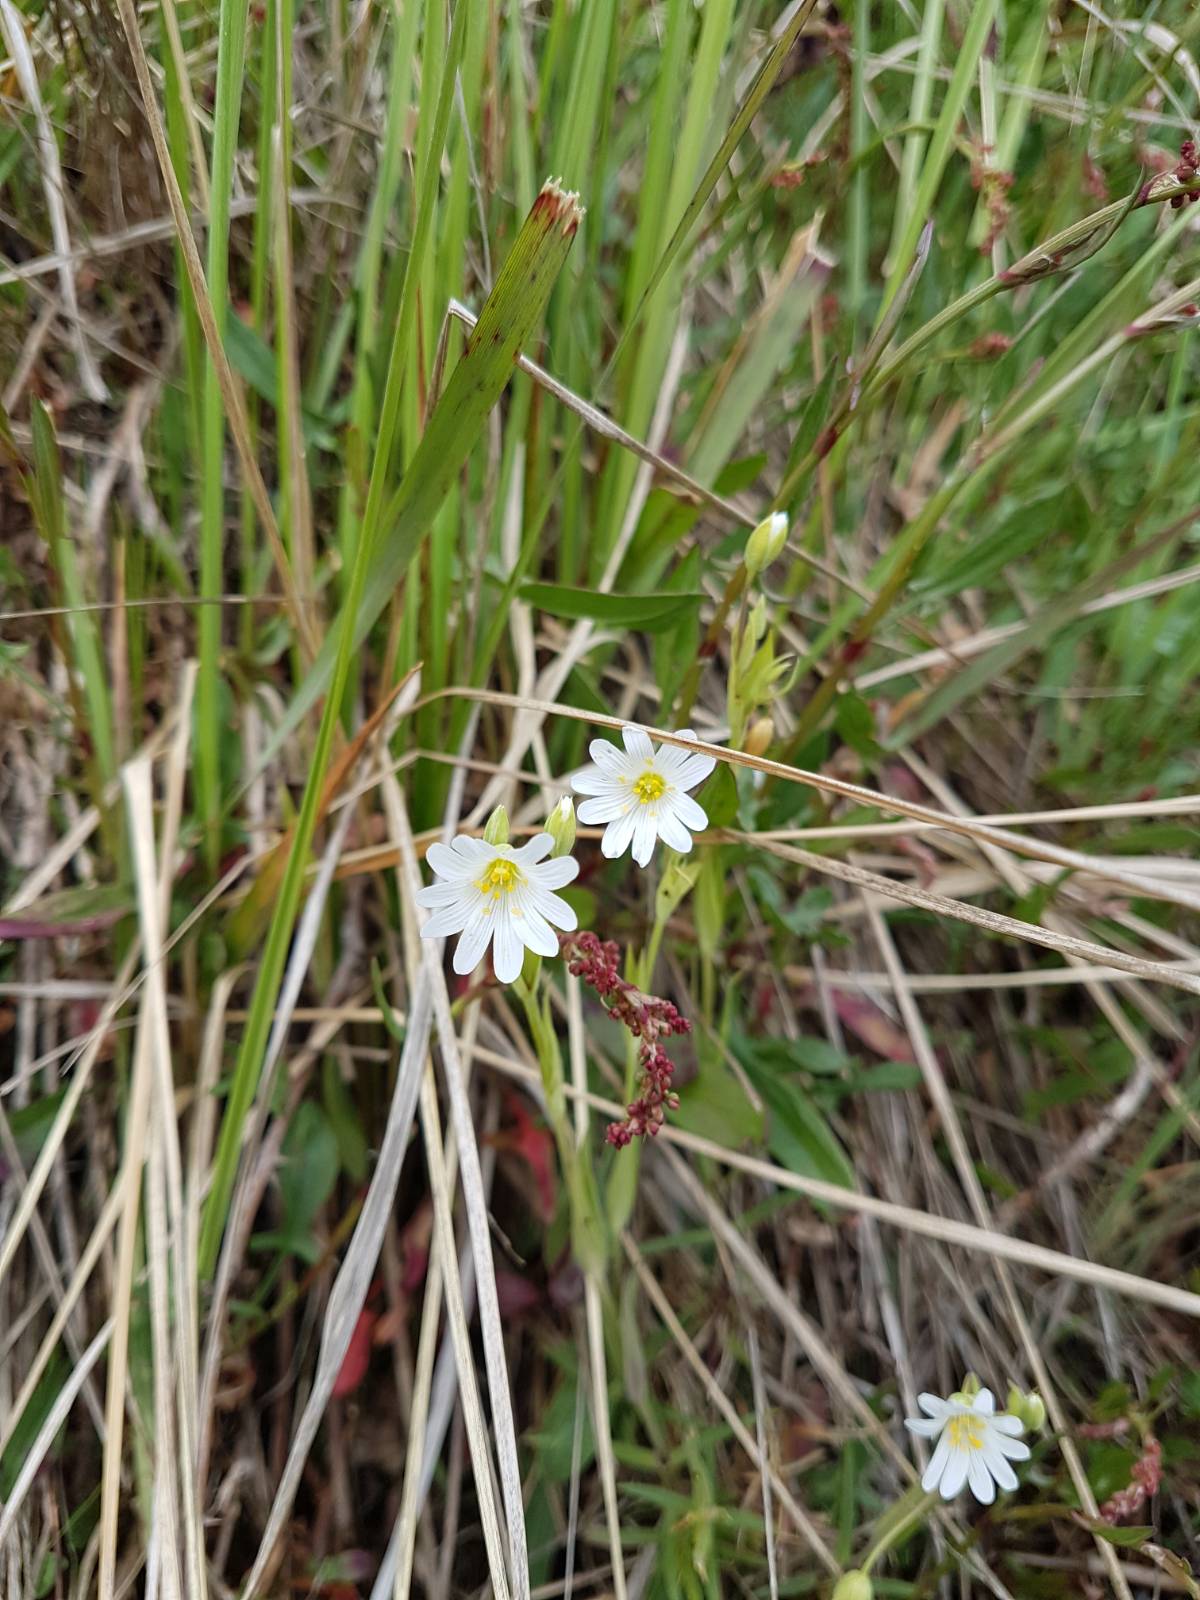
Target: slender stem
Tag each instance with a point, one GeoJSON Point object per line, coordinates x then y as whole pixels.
{"type": "Point", "coordinates": [890, 1535]}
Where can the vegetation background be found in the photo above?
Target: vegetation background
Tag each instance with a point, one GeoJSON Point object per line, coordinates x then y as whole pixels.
{"type": "Point", "coordinates": [296, 571]}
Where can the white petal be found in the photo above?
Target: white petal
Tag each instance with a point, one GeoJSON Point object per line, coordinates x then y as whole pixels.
{"type": "Point", "coordinates": [533, 928]}
{"type": "Point", "coordinates": [604, 808]}
{"type": "Point", "coordinates": [637, 743]}
{"type": "Point", "coordinates": [471, 848]}
{"type": "Point", "coordinates": [451, 864]}
{"type": "Point", "coordinates": [591, 780]}
{"type": "Point", "coordinates": [449, 920]}
{"type": "Point", "coordinates": [934, 1406]}
{"type": "Point", "coordinates": [689, 812]}
{"type": "Point", "coordinates": [937, 1465]}
{"type": "Point", "coordinates": [554, 874]}
{"type": "Point", "coordinates": [1000, 1469]}
{"type": "Point", "coordinates": [955, 1474]}
{"type": "Point", "coordinates": [985, 1401]}
{"type": "Point", "coordinates": [925, 1427]}
{"type": "Point", "coordinates": [1007, 1423]}
{"type": "Point", "coordinates": [534, 850]}
{"type": "Point", "coordinates": [608, 756]}
{"type": "Point", "coordinates": [980, 1479]}
{"type": "Point", "coordinates": [508, 952]}
{"type": "Point", "coordinates": [671, 831]}
{"type": "Point", "coordinates": [694, 770]}
{"type": "Point", "coordinates": [554, 909]}
{"type": "Point", "coordinates": [445, 894]}
{"type": "Point", "coordinates": [1014, 1449]}
{"type": "Point", "coordinates": [669, 757]}
{"type": "Point", "coordinates": [645, 831]}
{"type": "Point", "coordinates": [617, 836]}
{"type": "Point", "coordinates": [468, 953]}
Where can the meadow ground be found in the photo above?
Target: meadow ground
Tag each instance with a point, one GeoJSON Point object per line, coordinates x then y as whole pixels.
{"type": "Point", "coordinates": [397, 398]}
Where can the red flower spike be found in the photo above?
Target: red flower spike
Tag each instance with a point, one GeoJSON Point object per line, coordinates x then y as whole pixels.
{"type": "Point", "coordinates": [646, 1017]}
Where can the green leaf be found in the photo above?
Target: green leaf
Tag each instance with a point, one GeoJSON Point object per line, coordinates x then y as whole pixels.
{"type": "Point", "coordinates": [46, 497]}
{"type": "Point", "coordinates": [804, 917]}
{"type": "Point", "coordinates": [719, 796]}
{"type": "Point", "coordinates": [507, 321]}
{"type": "Point", "coordinates": [648, 611]}
{"type": "Point", "coordinates": [855, 722]}
{"type": "Point", "coordinates": [307, 1174]}
{"type": "Point", "coordinates": [812, 420]}
{"type": "Point", "coordinates": [715, 1106]}
{"type": "Point", "coordinates": [344, 1120]}
{"type": "Point", "coordinates": [506, 325]}
{"type": "Point", "coordinates": [1129, 1538]}
{"type": "Point", "coordinates": [798, 1135]}
{"type": "Point", "coordinates": [253, 359]}
{"type": "Point", "coordinates": [86, 909]}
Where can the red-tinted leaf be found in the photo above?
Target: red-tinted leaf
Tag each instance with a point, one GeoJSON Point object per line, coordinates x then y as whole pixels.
{"type": "Point", "coordinates": [515, 1293]}
{"type": "Point", "coordinates": [534, 1144]}
{"type": "Point", "coordinates": [867, 1023]}
{"type": "Point", "coordinates": [357, 1357]}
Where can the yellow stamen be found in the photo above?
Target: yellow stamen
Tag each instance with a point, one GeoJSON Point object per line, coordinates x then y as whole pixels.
{"type": "Point", "coordinates": [966, 1433]}
{"type": "Point", "coordinates": [501, 878]}
{"type": "Point", "coordinates": [649, 787]}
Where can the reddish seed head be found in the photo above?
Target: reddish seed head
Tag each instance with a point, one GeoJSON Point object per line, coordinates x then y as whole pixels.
{"type": "Point", "coordinates": [647, 1017]}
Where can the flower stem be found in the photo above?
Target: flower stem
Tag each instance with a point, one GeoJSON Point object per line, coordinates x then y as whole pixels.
{"type": "Point", "coordinates": [908, 1510]}
{"type": "Point", "coordinates": [588, 1235]}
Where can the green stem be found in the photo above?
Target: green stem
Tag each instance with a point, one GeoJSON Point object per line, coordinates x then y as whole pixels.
{"type": "Point", "coordinates": [893, 1531]}
{"type": "Point", "coordinates": [588, 1238]}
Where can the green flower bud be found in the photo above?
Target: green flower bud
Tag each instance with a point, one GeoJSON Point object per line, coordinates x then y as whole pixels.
{"type": "Point", "coordinates": [496, 831]}
{"type": "Point", "coordinates": [560, 825]}
{"type": "Point", "coordinates": [765, 543]}
{"type": "Point", "coordinates": [853, 1585]}
{"type": "Point", "coordinates": [1030, 1408]}
{"type": "Point", "coordinates": [971, 1387]}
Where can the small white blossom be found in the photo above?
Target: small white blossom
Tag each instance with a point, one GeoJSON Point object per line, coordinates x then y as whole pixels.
{"type": "Point", "coordinates": [975, 1445]}
{"type": "Point", "coordinates": [641, 793]}
{"type": "Point", "coordinates": [495, 894]}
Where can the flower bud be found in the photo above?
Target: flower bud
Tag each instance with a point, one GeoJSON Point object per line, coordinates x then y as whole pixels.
{"type": "Point", "coordinates": [1030, 1408]}
{"type": "Point", "coordinates": [765, 543]}
{"type": "Point", "coordinates": [853, 1585]}
{"type": "Point", "coordinates": [759, 736]}
{"type": "Point", "coordinates": [496, 831]}
{"type": "Point", "coordinates": [971, 1387]}
{"type": "Point", "coordinates": [560, 825]}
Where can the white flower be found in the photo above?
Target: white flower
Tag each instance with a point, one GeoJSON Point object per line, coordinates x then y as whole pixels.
{"type": "Point", "coordinates": [974, 1445]}
{"type": "Point", "coordinates": [641, 793]}
{"type": "Point", "coordinates": [493, 892]}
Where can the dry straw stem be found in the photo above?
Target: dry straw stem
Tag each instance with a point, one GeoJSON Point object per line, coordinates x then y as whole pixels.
{"type": "Point", "coordinates": [140, 817]}
{"type": "Point", "coordinates": [985, 1241]}
{"type": "Point", "coordinates": [470, 1176]}
{"type": "Point", "coordinates": [230, 394]}
{"type": "Point", "coordinates": [800, 1518]}
{"type": "Point", "coordinates": [993, 922]}
{"type": "Point", "coordinates": [12, 26]}
{"type": "Point", "coordinates": [737, 1248]}
{"type": "Point", "coordinates": [935, 1083]}
{"type": "Point", "coordinates": [104, 245]}
{"type": "Point", "coordinates": [446, 1279]}
{"type": "Point", "coordinates": [350, 1287]}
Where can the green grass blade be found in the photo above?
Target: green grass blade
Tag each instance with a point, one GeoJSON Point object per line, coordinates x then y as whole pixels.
{"type": "Point", "coordinates": [506, 323]}
{"type": "Point", "coordinates": [982, 16]}
{"type": "Point", "coordinates": [231, 56]}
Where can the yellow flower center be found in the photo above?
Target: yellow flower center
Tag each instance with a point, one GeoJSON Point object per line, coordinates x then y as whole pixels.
{"type": "Point", "coordinates": [501, 878]}
{"type": "Point", "coordinates": [966, 1433]}
{"type": "Point", "coordinates": [648, 787]}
